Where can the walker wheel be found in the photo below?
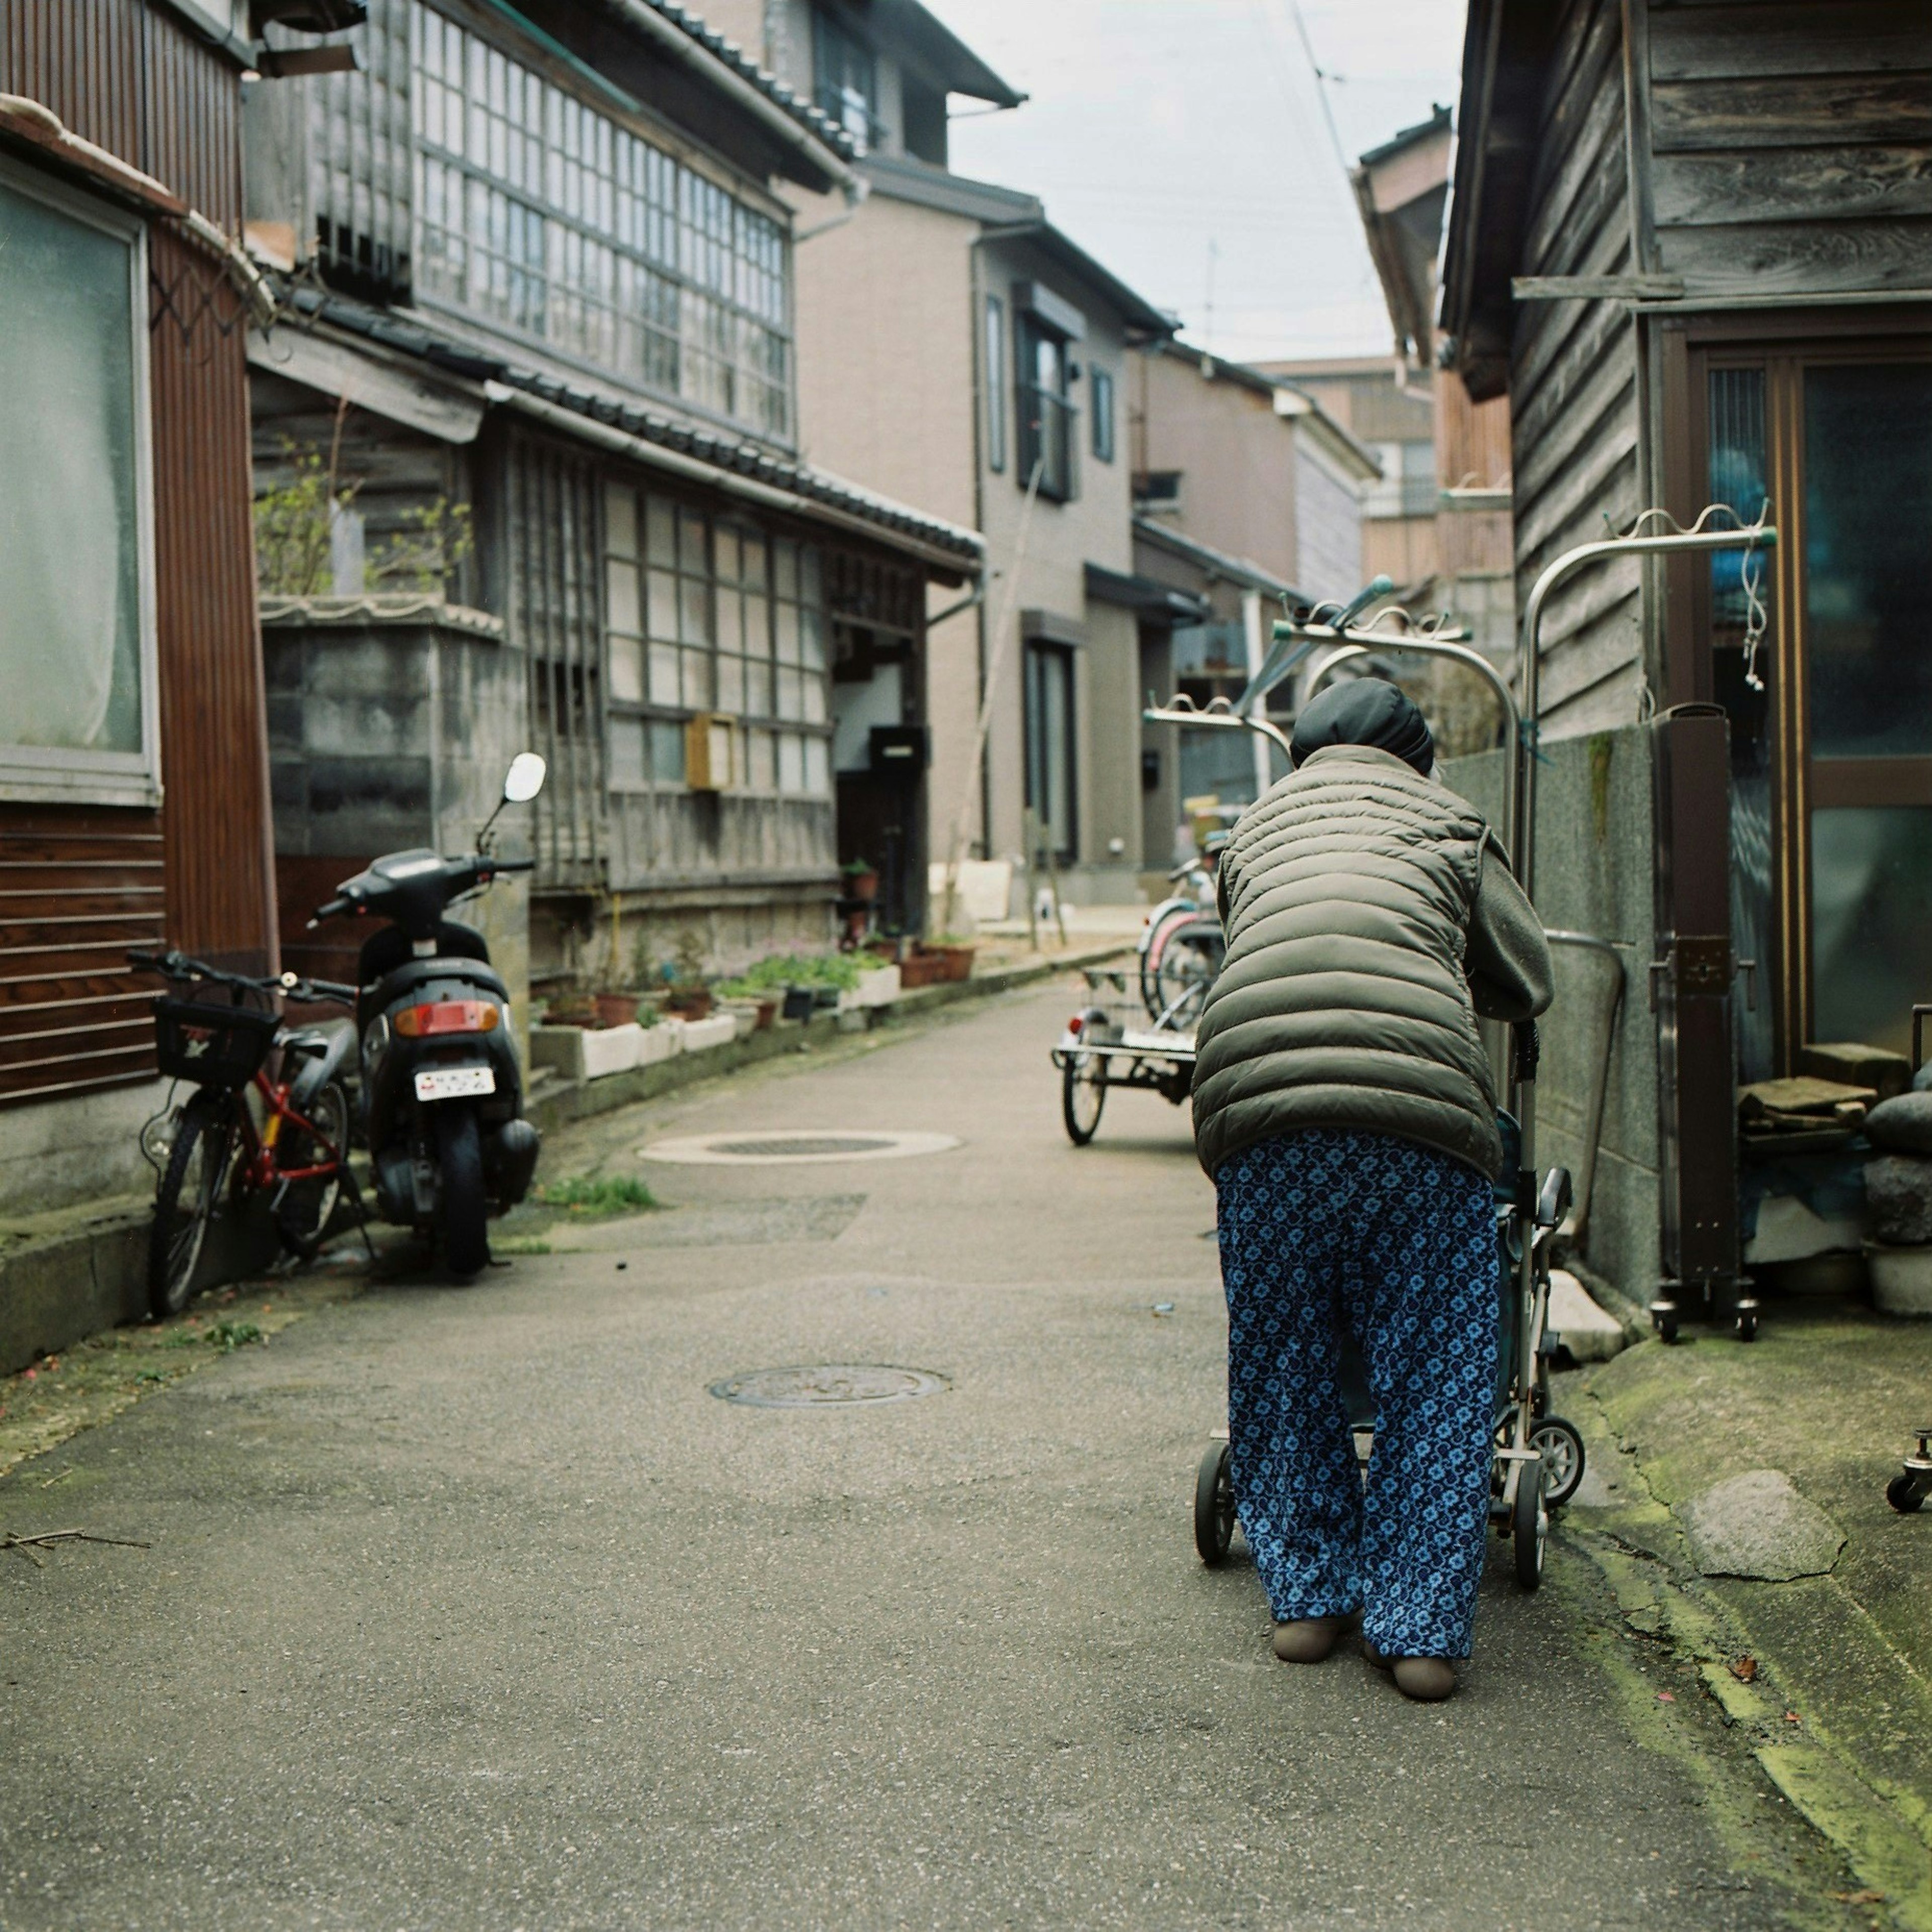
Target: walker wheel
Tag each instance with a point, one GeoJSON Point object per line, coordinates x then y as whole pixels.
{"type": "Point", "coordinates": [1903, 1493]}
{"type": "Point", "coordinates": [1560, 1444]}
{"type": "Point", "coordinates": [1529, 1524]}
{"type": "Point", "coordinates": [1214, 1506]}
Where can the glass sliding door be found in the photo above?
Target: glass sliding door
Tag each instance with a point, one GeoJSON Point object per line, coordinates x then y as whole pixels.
{"type": "Point", "coordinates": [1832, 712]}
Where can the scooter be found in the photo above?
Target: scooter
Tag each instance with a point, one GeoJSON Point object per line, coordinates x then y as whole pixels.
{"type": "Point", "coordinates": [442, 1090]}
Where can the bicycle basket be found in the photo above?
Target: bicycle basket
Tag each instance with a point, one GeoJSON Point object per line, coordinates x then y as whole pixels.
{"type": "Point", "coordinates": [214, 1046]}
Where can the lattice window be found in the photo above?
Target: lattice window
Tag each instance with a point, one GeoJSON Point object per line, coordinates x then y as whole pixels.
{"type": "Point", "coordinates": [554, 222]}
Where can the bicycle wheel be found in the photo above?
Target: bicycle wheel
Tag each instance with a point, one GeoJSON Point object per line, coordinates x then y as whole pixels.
{"type": "Point", "coordinates": [302, 1217]}
{"type": "Point", "coordinates": [1189, 962]}
{"type": "Point", "coordinates": [1169, 924]}
{"type": "Point", "coordinates": [466, 1233]}
{"type": "Point", "coordinates": [1083, 1093]}
{"type": "Point", "coordinates": [187, 1200]}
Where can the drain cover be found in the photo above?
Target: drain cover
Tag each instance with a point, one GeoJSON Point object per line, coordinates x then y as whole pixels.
{"type": "Point", "coordinates": [799, 1144]}
{"type": "Point", "coordinates": [774, 1146]}
{"type": "Point", "coordinates": [826, 1382]}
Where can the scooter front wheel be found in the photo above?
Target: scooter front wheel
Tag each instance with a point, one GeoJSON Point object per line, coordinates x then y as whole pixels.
{"type": "Point", "coordinates": [465, 1231]}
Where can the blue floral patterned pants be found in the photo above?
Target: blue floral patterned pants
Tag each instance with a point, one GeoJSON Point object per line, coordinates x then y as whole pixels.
{"type": "Point", "coordinates": [1330, 1227]}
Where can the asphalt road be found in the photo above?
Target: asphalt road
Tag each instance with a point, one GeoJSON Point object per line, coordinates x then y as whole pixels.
{"type": "Point", "coordinates": [474, 1608]}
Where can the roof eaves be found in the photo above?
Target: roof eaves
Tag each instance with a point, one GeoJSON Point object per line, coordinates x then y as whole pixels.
{"type": "Point", "coordinates": [717, 448]}
{"type": "Point", "coordinates": [1139, 314]}
{"type": "Point", "coordinates": [1217, 562]}
{"type": "Point", "coordinates": [1408, 137]}
{"type": "Point", "coordinates": [947, 57]}
{"type": "Point", "coordinates": [806, 113]}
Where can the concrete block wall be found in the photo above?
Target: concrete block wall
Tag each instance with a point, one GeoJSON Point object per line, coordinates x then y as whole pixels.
{"type": "Point", "coordinates": [391, 721]}
{"type": "Point", "coordinates": [1595, 872]}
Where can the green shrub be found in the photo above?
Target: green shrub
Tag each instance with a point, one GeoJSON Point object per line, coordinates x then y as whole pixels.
{"type": "Point", "coordinates": [771, 976]}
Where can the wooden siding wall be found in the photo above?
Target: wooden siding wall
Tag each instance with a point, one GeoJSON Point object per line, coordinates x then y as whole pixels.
{"type": "Point", "coordinates": [81, 883]}
{"type": "Point", "coordinates": [1573, 389]}
{"type": "Point", "coordinates": [1792, 145]}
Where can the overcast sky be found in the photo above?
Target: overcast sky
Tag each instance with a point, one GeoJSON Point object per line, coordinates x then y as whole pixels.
{"type": "Point", "coordinates": [1161, 130]}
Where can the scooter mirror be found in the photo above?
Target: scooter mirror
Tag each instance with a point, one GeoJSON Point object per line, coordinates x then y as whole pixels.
{"type": "Point", "coordinates": [525, 778]}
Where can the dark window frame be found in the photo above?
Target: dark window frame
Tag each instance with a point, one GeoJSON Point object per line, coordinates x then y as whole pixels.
{"type": "Point", "coordinates": [1039, 652]}
{"type": "Point", "coordinates": [1045, 417]}
{"type": "Point", "coordinates": [1102, 413]}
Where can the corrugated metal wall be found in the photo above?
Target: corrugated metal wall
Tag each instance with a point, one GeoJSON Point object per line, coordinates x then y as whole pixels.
{"type": "Point", "coordinates": [77, 885]}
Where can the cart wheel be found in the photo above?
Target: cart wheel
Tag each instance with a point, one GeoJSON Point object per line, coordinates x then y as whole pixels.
{"type": "Point", "coordinates": [1560, 1446]}
{"type": "Point", "coordinates": [1529, 1524]}
{"type": "Point", "coordinates": [1747, 1324]}
{"type": "Point", "coordinates": [1083, 1093]}
{"type": "Point", "coordinates": [1214, 1506]}
{"type": "Point", "coordinates": [1903, 1493]}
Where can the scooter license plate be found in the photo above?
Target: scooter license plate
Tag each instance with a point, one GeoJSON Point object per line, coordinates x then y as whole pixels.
{"type": "Point", "coordinates": [453, 1083]}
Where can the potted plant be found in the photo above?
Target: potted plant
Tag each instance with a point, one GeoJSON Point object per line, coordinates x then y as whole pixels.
{"type": "Point", "coordinates": [687, 996]}
{"type": "Point", "coordinates": [862, 880]}
{"type": "Point", "coordinates": [614, 1009]}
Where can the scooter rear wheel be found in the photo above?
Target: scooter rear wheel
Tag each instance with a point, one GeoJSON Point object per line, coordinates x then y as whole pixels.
{"type": "Point", "coordinates": [466, 1230]}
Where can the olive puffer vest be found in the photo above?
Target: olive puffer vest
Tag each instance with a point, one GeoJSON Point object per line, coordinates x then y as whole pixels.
{"type": "Point", "coordinates": [1346, 892]}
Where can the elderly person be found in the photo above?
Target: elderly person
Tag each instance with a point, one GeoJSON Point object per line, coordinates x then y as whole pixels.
{"type": "Point", "coordinates": [1343, 1105]}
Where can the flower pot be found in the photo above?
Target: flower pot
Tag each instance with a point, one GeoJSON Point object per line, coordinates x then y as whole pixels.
{"type": "Point", "coordinates": [615, 1010]}
{"type": "Point", "coordinates": [690, 1003]}
{"type": "Point", "coordinates": [955, 962]}
{"type": "Point", "coordinates": [576, 1011]}
{"type": "Point", "coordinates": [863, 886]}
{"type": "Point", "coordinates": [918, 969]}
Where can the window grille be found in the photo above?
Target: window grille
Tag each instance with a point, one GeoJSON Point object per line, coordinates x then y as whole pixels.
{"type": "Point", "coordinates": [551, 221]}
{"type": "Point", "coordinates": [713, 614]}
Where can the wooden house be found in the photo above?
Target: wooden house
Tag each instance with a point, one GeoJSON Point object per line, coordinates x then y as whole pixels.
{"type": "Point", "coordinates": [540, 309]}
{"type": "Point", "coordinates": [1692, 244]}
{"type": "Point", "coordinates": [134, 782]}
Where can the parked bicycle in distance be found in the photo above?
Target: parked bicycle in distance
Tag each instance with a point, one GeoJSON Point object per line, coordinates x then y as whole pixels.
{"type": "Point", "coordinates": [210, 1154]}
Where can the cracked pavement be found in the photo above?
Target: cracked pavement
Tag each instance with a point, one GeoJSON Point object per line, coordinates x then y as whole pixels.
{"type": "Point", "coordinates": [473, 1608]}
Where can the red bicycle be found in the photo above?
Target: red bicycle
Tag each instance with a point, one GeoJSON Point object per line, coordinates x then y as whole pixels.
{"type": "Point", "coordinates": [209, 1152]}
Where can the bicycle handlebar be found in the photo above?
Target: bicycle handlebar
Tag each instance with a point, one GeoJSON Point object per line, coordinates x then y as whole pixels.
{"type": "Point", "coordinates": [173, 964]}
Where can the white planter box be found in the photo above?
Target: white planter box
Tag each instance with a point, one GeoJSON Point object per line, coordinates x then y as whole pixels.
{"type": "Point", "coordinates": [744, 1015]}
{"type": "Point", "coordinates": [660, 1043]}
{"type": "Point", "coordinates": [719, 1029]}
{"type": "Point", "coordinates": [878, 988]}
{"type": "Point", "coordinates": [609, 1050]}
{"type": "Point", "coordinates": [586, 1053]}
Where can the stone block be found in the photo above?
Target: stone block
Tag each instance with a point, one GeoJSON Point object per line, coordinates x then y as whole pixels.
{"type": "Point", "coordinates": [1757, 1526]}
{"type": "Point", "coordinates": [1901, 1278]}
{"type": "Point", "coordinates": [609, 1050]}
{"type": "Point", "coordinates": [1902, 1124]}
{"type": "Point", "coordinates": [1884, 1072]}
{"type": "Point", "coordinates": [1898, 1199]}
{"type": "Point", "coordinates": [1589, 1333]}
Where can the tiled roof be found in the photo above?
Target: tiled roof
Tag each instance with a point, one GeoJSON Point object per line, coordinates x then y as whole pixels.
{"type": "Point", "coordinates": [803, 111]}
{"type": "Point", "coordinates": [716, 447]}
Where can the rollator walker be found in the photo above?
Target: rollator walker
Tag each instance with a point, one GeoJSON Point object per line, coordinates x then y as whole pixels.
{"type": "Point", "coordinates": [1539, 1457]}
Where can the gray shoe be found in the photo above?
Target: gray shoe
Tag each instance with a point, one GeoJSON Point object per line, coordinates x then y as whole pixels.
{"type": "Point", "coordinates": [1426, 1679]}
{"type": "Point", "coordinates": [1308, 1639]}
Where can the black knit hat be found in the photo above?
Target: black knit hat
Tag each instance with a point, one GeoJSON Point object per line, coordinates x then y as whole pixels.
{"type": "Point", "coordinates": [1365, 711]}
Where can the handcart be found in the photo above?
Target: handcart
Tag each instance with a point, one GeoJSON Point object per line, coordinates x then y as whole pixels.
{"type": "Point", "coordinates": [1539, 1457]}
{"type": "Point", "coordinates": [1113, 1042]}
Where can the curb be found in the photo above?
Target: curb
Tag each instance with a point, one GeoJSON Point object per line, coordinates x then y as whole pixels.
{"type": "Point", "coordinates": [560, 1106]}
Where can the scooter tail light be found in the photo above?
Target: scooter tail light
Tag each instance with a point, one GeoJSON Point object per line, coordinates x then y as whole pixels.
{"type": "Point", "coordinates": [1078, 1020]}
{"type": "Point", "coordinates": [442, 1016]}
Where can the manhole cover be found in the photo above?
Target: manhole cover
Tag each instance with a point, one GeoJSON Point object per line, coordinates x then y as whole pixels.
{"type": "Point", "coordinates": [825, 1382]}
{"type": "Point", "coordinates": [804, 1143]}
{"type": "Point", "coordinates": [778, 1145]}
